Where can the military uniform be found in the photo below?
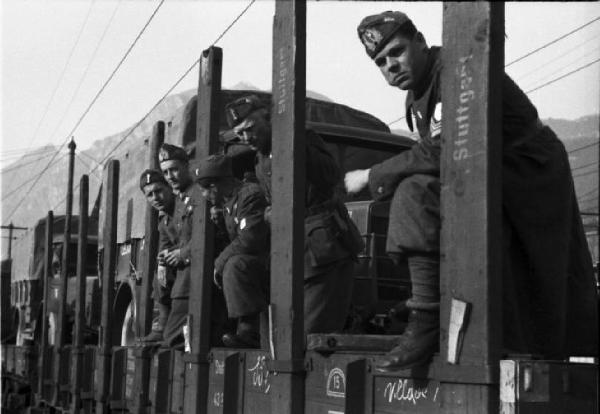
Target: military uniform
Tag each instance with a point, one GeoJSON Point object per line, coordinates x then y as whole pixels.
{"type": "Point", "coordinates": [243, 263]}
{"type": "Point", "coordinates": [328, 262]}
{"type": "Point", "coordinates": [167, 240]}
{"type": "Point", "coordinates": [548, 287]}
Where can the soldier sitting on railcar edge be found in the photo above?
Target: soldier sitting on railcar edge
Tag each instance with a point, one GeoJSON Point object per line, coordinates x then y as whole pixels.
{"type": "Point", "coordinates": [331, 238]}
{"type": "Point", "coordinates": [549, 302]}
{"type": "Point", "coordinates": [159, 195]}
{"type": "Point", "coordinates": [241, 269]}
{"type": "Point", "coordinates": [175, 168]}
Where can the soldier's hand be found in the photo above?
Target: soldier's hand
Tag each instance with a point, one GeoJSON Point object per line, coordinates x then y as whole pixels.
{"type": "Point", "coordinates": [215, 214]}
{"type": "Point", "coordinates": [267, 215]}
{"type": "Point", "coordinates": [173, 258]}
{"type": "Point", "coordinates": [218, 279]}
{"type": "Point", "coordinates": [356, 180]}
{"type": "Point", "coordinates": [161, 275]}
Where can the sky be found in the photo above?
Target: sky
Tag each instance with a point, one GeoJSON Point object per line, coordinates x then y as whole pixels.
{"type": "Point", "coordinates": [38, 37]}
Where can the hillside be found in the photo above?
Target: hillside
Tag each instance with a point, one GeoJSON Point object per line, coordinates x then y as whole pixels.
{"type": "Point", "coordinates": [580, 137]}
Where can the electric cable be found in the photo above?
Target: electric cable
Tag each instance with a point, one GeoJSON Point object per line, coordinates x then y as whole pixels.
{"type": "Point", "coordinates": [552, 42]}
{"type": "Point", "coordinates": [62, 74]}
{"type": "Point", "coordinates": [85, 72]}
{"type": "Point", "coordinates": [183, 76]}
{"type": "Point", "coordinates": [14, 190]}
{"type": "Point", "coordinates": [24, 164]}
{"type": "Point", "coordinates": [91, 103]}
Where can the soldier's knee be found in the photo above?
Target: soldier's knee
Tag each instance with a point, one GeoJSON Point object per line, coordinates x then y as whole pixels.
{"type": "Point", "coordinates": [416, 191]}
{"type": "Point", "coordinates": [237, 268]}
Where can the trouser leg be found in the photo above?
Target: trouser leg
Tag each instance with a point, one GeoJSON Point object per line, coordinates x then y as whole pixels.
{"type": "Point", "coordinates": [327, 298]}
{"type": "Point", "coordinates": [246, 287]}
{"type": "Point", "coordinates": [173, 332]}
{"type": "Point", "coordinates": [413, 233]}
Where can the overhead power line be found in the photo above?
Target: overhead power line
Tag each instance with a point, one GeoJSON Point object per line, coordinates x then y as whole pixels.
{"type": "Point", "coordinates": [552, 42]}
{"type": "Point", "coordinates": [62, 74]}
{"type": "Point", "coordinates": [20, 186]}
{"type": "Point", "coordinates": [24, 164]}
{"type": "Point", "coordinates": [563, 76]}
{"type": "Point", "coordinates": [554, 59]}
{"type": "Point", "coordinates": [183, 76]}
{"type": "Point", "coordinates": [85, 72]}
{"type": "Point", "coordinates": [584, 147]}
{"type": "Point", "coordinates": [585, 174]}
{"type": "Point", "coordinates": [90, 105]}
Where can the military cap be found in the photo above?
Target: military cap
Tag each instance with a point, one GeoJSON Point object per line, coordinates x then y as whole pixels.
{"type": "Point", "coordinates": [376, 30]}
{"type": "Point", "coordinates": [238, 110]}
{"type": "Point", "coordinates": [151, 176]}
{"type": "Point", "coordinates": [214, 166]}
{"type": "Point", "coordinates": [170, 152]}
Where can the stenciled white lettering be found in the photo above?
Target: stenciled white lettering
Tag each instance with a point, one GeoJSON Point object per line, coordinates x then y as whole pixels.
{"type": "Point", "coordinates": [401, 390]}
{"type": "Point", "coordinates": [260, 374]}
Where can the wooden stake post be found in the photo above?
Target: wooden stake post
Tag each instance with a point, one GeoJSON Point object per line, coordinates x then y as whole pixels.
{"type": "Point", "coordinates": [202, 260]}
{"type": "Point", "coordinates": [109, 243]}
{"type": "Point", "coordinates": [42, 363]}
{"type": "Point", "coordinates": [287, 225]}
{"type": "Point", "coordinates": [143, 355]}
{"type": "Point", "coordinates": [77, 350]}
{"type": "Point", "coordinates": [471, 241]}
{"type": "Point", "coordinates": [61, 322]}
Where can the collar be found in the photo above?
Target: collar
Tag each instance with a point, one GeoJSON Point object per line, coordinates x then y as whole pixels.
{"type": "Point", "coordinates": [432, 66]}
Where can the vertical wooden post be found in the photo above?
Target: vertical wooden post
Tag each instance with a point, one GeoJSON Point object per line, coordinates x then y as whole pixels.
{"type": "Point", "coordinates": [207, 135]}
{"type": "Point", "coordinates": [471, 268]}
{"type": "Point", "coordinates": [143, 355]}
{"type": "Point", "coordinates": [78, 341]}
{"type": "Point", "coordinates": [287, 225]}
{"type": "Point", "coordinates": [109, 234]}
{"type": "Point", "coordinates": [47, 275]}
{"type": "Point", "coordinates": [61, 325]}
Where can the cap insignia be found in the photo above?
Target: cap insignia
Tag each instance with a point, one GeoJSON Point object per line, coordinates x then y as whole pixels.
{"type": "Point", "coordinates": [371, 38]}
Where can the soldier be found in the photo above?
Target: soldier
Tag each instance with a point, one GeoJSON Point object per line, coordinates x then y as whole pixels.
{"type": "Point", "coordinates": [241, 268]}
{"type": "Point", "coordinates": [548, 272]}
{"type": "Point", "coordinates": [160, 196]}
{"type": "Point", "coordinates": [332, 240]}
{"type": "Point", "coordinates": [175, 168]}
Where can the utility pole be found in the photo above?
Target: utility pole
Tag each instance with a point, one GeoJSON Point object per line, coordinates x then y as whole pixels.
{"type": "Point", "coordinates": [10, 229]}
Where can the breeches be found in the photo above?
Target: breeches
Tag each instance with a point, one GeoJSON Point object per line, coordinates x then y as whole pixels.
{"type": "Point", "coordinates": [414, 225]}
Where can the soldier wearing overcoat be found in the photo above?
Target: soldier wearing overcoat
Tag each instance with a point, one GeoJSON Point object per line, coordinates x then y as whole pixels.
{"type": "Point", "coordinates": [549, 302]}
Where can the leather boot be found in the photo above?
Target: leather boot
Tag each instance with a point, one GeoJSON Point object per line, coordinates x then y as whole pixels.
{"type": "Point", "coordinates": [417, 344]}
{"type": "Point", "coordinates": [247, 335]}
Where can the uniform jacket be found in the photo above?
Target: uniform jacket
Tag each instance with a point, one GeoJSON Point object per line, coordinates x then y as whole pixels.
{"type": "Point", "coordinates": [548, 287]}
{"type": "Point", "coordinates": [323, 246]}
{"type": "Point", "coordinates": [243, 215]}
{"type": "Point", "coordinates": [168, 236]}
{"type": "Point", "coordinates": [185, 202]}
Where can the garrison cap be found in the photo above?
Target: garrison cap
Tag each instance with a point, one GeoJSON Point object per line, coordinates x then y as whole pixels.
{"type": "Point", "coordinates": [151, 176]}
{"type": "Point", "coordinates": [376, 30]}
{"type": "Point", "coordinates": [170, 152]}
{"type": "Point", "coordinates": [238, 110]}
{"type": "Point", "coordinates": [214, 166]}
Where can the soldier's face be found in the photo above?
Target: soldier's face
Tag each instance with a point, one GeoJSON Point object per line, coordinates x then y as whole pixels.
{"type": "Point", "coordinates": [253, 129]}
{"type": "Point", "coordinates": [176, 173]}
{"type": "Point", "coordinates": [212, 192]}
{"type": "Point", "coordinates": [158, 195]}
{"type": "Point", "coordinates": [402, 61]}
